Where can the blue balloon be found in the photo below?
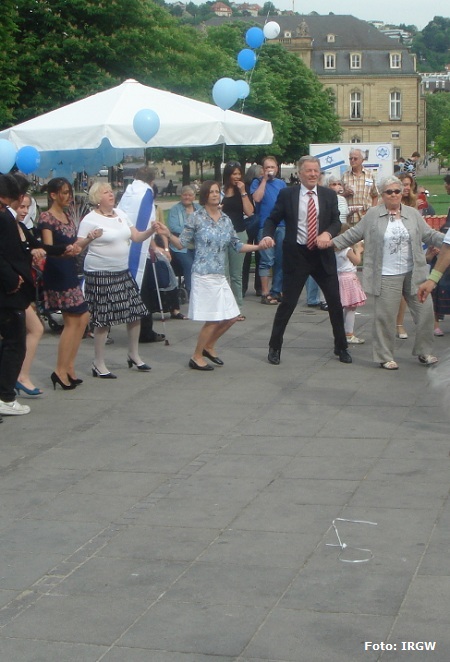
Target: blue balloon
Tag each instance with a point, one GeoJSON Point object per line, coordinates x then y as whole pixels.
{"type": "Point", "coordinates": [246, 59]}
{"type": "Point", "coordinates": [146, 124]}
{"type": "Point", "coordinates": [243, 89]}
{"type": "Point", "coordinates": [225, 93]}
{"type": "Point", "coordinates": [254, 37]}
{"type": "Point", "coordinates": [28, 159]}
{"type": "Point", "coordinates": [7, 155]}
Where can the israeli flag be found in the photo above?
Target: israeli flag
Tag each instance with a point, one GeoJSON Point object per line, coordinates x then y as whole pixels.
{"type": "Point", "coordinates": [331, 158]}
{"type": "Point", "coordinates": [137, 203]}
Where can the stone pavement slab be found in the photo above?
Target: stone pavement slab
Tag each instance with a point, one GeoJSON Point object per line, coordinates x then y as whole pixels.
{"type": "Point", "coordinates": [177, 516]}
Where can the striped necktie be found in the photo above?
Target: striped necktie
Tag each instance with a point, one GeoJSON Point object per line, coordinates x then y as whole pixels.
{"type": "Point", "coordinates": [311, 221]}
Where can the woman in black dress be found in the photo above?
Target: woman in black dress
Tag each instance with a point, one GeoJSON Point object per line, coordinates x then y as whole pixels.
{"type": "Point", "coordinates": [62, 289]}
{"type": "Point", "coordinates": [237, 205]}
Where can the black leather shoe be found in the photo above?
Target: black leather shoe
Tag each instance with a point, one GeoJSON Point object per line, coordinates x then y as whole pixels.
{"type": "Point", "coordinates": [214, 359]}
{"type": "Point", "coordinates": [323, 306]}
{"type": "Point", "coordinates": [196, 366]}
{"type": "Point", "coordinates": [274, 356]}
{"type": "Point", "coordinates": [344, 355]}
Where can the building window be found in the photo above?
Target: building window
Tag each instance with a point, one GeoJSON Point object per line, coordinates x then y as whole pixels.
{"type": "Point", "coordinates": [329, 61]}
{"type": "Point", "coordinates": [396, 60]}
{"type": "Point", "coordinates": [355, 139]}
{"type": "Point", "coordinates": [397, 153]}
{"type": "Point", "coordinates": [355, 60]}
{"type": "Point", "coordinates": [355, 106]}
{"type": "Point", "coordinates": [395, 106]}
{"type": "Point", "coordinates": [395, 134]}
{"type": "Point", "coordinates": [287, 34]}
{"type": "Point", "coordinates": [331, 38]}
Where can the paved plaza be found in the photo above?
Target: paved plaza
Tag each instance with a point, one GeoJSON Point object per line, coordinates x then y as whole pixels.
{"type": "Point", "coordinates": [180, 516]}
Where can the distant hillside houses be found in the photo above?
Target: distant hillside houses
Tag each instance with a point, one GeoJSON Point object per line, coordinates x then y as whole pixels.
{"type": "Point", "coordinates": [373, 78]}
{"type": "Point", "coordinates": [404, 36]}
{"type": "Point", "coordinates": [221, 9]}
{"type": "Point", "coordinates": [438, 82]}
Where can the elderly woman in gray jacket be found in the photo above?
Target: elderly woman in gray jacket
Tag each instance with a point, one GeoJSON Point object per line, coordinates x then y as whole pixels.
{"type": "Point", "coordinates": [394, 265]}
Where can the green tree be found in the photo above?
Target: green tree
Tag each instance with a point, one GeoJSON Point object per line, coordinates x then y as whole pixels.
{"type": "Point", "coordinates": [8, 62]}
{"type": "Point", "coordinates": [68, 49]}
{"type": "Point", "coordinates": [283, 91]}
{"type": "Point", "coordinates": [438, 110]}
{"type": "Point", "coordinates": [432, 44]}
{"type": "Point", "coordinates": [268, 9]}
{"type": "Point", "coordinates": [442, 143]}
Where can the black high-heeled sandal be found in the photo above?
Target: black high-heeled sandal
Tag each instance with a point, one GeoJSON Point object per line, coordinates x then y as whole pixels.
{"type": "Point", "coordinates": [103, 375]}
{"type": "Point", "coordinates": [75, 381]}
{"type": "Point", "coordinates": [143, 367]}
{"type": "Point", "coordinates": [56, 380]}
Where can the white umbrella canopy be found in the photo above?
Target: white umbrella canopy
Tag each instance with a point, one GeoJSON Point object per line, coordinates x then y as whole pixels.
{"type": "Point", "coordinates": [83, 125]}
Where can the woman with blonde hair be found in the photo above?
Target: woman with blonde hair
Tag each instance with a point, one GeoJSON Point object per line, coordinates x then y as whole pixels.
{"type": "Point", "coordinates": [110, 290]}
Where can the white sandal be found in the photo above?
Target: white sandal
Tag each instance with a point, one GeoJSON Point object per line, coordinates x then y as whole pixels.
{"type": "Point", "coordinates": [401, 334]}
{"type": "Point", "coordinates": [429, 359]}
{"type": "Point", "coordinates": [389, 365]}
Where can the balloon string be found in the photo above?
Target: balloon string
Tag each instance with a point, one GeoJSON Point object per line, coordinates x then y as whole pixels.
{"type": "Point", "coordinates": [251, 73]}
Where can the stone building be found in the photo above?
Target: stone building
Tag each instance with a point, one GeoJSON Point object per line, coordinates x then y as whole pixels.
{"type": "Point", "coordinates": [372, 76]}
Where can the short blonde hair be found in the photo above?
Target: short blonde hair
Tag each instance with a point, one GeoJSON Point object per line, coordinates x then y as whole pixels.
{"type": "Point", "coordinates": [96, 190]}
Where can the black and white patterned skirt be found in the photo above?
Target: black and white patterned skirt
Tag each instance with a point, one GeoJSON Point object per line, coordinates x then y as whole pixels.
{"type": "Point", "coordinates": [113, 298]}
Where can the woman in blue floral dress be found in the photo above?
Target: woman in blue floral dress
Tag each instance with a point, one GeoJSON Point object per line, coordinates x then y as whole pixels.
{"type": "Point", "coordinates": [212, 300]}
{"type": "Point", "coordinates": [62, 289]}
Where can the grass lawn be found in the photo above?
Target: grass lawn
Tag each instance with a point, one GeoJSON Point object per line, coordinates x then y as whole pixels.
{"type": "Point", "coordinates": [438, 195]}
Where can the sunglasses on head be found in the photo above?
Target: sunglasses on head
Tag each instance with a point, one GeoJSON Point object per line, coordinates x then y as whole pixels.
{"type": "Point", "coordinates": [390, 191]}
{"type": "Point", "coordinates": [234, 164]}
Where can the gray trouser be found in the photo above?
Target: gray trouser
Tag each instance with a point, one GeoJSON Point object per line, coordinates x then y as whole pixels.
{"type": "Point", "coordinates": [385, 313]}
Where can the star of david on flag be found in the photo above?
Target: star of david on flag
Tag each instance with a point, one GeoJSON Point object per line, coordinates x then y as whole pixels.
{"type": "Point", "coordinates": [331, 158]}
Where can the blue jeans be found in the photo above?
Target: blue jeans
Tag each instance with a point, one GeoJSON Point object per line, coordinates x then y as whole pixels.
{"type": "Point", "coordinates": [312, 292]}
{"type": "Point", "coordinates": [185, 260]}
{"type": "Point", "coordinates": [272, 259]}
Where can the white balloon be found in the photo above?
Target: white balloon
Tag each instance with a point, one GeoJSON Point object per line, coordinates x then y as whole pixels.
{"type": "Point", "coordinates": [271, 30]}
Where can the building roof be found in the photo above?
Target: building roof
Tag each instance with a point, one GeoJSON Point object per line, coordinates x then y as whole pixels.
{"type": "Point", "coordinates": [350, 35]}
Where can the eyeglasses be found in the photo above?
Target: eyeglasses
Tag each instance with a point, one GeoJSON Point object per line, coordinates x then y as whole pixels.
{"type": "Point", "coordinates": [234, 164]}
{"type": "Point", "coordinates": [390, 191]}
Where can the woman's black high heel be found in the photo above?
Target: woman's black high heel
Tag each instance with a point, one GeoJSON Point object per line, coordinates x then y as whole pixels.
{"type": "Point", "coordinates": [56, 380]}
{"type": "Point", "coordinates": [103, 375]}
{"type": "Point", "coordinates": [143, 367]}
{"type": "Point", "coordinates": [77, 381]}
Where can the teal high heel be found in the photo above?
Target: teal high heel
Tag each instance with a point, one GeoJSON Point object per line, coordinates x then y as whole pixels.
{"type": "Point", "coordinates": [28, 391]}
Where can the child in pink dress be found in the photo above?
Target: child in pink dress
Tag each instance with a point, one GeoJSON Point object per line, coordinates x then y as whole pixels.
{"type": "Point", "coordinates": [351, 292]}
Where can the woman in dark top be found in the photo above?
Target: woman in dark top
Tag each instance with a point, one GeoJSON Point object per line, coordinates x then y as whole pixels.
{"type": "Point", "coordinates": [237, 206]}
{"type": "Point", "coordinates": [62, 289]}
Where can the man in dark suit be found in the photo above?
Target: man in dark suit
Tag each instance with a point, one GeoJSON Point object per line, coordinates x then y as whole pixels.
{"type": "Point", "coordinates": [312, 219]}
{"type": "Point", "coordinates": [16, 293]}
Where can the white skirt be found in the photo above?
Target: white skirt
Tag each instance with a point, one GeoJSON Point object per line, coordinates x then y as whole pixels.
{"type": "Point", "coordinates": [211, 299]}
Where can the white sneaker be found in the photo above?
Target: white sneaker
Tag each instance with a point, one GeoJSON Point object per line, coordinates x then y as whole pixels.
{"type": "Point", "coordinates": [353, 340]}
{"type": "Point", "coordinates": [13, 408]}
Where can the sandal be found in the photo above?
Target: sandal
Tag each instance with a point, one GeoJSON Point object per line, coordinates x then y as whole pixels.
{"type": "Point", "coordinates": [401, 333]}
{"type": "Point", "coordinates": [177, 316]}
{"type": "Point", "coordinates": [429, 359]}
{"type": "Point", "coordinates": [389, 365]}
{"type": "Point", "coordinates": [240, 318]}
{"type": "Point", "coordinates": [268, 300]}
